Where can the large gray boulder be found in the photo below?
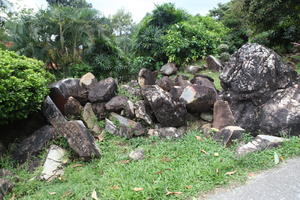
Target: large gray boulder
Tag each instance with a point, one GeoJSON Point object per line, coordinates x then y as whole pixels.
{"type": "Point", "coordinates": [262, 90]}
{"type": "Point", "coordinates": [168, 69]}
{"type": "Point", "coordinates": [165, 83]}
{"type": "Point", "coordinates": [146, 77]}
{"type": "Point", "coordinates": [142, 111]}
{"type": "Point", "coordinates": [168, 112]}
{"type": "Point", "coordinates": [254, 73]}
{"type": "Point", "coordinates": [213, 63]}
{"type": "Point", "coordinates": [103, 91]}
{"type": "Point", "coordinates": [52, 113]}
{"type": "Point", "coordinates": [80, 139]}
{"type": "Point", "coordinates": [72, 107]}
{"type": "Point", "coordinates": [198, 98]}
{"type": "Point", "coordinates": [116, 104]}
{"type": "Point", "coordinates": [32, 145]}
{"type": "Point", "coordinates": [121, 126]}
{"type": "Point", "coordinates": [60, 92]}
{"type": "Point", "coordinates": [222, 115]}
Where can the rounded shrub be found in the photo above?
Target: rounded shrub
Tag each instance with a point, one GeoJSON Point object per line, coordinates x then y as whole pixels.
{"type": "Point", "coordinates": [23, 86]}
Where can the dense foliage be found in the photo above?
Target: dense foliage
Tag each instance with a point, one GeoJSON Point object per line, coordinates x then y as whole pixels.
{"type": "Point", "coordinates": [190, 40]}
{"type": "Point", "coordinates": [148, 39]}
{"type": "Point", "coordinates": [23, 86]}
{"type": "Point", "coordinates": [275, 23]}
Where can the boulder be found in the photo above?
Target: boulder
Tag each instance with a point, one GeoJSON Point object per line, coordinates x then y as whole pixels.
{"type": "Point", "coordinates": [222, 115]}
{"type": "Point", "coordinates": [137, 154]}
{"type": "Point", "coordinates": [116, 104]}
{"type": "Point", "coordinates": [229, 134]}
{"type": "Point", "coordinates": [90, 119]}
{"type": "Point", "coordinates": [213, 63]}
{"type": "Point", "coordinates": [80, 139]}
{"type": "Point", "coordinates": [261, 142]}
{"type": "Point", "coordinates": [52, 113]}
{"type": "Point", "coordinates": [119, 125]}
{"type": "Point", "coordinates": [60, 92]}
{"type": "Point", "coordinates": [73, 107]}
{"type": "Point", "coordinates": [88, 80]}
{"type": "Point", "coordinates": [53, 166]}
{"type": "Point", "coordinates": [168, 69]}
{"type": "Point", "coordinates": [182, 81]}
{"type": "Point", "coordinates": [254, 73]}
{"type": "Point", "coordinates": [193, 69]}
{"type": "Point", "coordinates": [103, 91]}
{"type": "Point", "coordinates": [142, 111]}
{"type": "Point", "coordinates": [203, 81]}
{"type": "Point", "coordinates": [128, 110]}
{"type": "Point", "coordinates": [99, 110]}
{"type": "Point", "coordinates": [146, 77]}
{"type": "Point", "coordinates": [168, 112]}
{"type": "Point", "coordinates": [198, 98]}
{"type": "Point", "coordinates": [262, 90]}
{"type": "Point", "coordinates": [165, 83]}
{"type": "Point", "coordinates": [132, 90]}
{"type": "Point", "coordinates": [5, 187]}
{"type": "Point", "coordinates": [168, 132]}
{"type": "Point", "coordinates": [176, 92]}
{"type": "Point", "coordinates": [32, 145]}
{"type": "Point", "coordinates": [281, 114]}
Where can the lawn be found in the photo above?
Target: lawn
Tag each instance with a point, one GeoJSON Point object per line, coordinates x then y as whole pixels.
{"type": "Point", "coordinates": [172, 169]}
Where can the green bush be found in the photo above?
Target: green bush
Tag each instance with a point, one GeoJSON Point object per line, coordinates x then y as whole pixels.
{"type": "Point", "coordinates": [191, 40]}
{"type": "Point", "coordinates": [23, 86]}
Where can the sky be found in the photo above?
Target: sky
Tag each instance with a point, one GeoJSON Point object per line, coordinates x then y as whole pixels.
{"type": "Point", "coordinates": [138, 8]}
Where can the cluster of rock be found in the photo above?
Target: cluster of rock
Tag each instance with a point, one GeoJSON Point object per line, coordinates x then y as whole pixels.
{"type": "Point", "coordinates": [261, 94]}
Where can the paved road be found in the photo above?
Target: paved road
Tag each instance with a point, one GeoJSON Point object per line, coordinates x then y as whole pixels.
{"type": "Point", "coordinates": [282, 183]}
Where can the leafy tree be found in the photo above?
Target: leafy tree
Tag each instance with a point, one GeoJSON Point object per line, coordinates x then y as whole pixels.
{"type": "Point", "coordinates": [122, 25]}
{"type": "Point", "coordinates": [148, 39]}
{"type": "Point", "coordinates": [231, 16]}
{"type": "Point", "coordinates": [191, 40]}
{"type": "Point", "coordinates": [274, 22]}
{"type": "Point", "coordinates": [72, 3]}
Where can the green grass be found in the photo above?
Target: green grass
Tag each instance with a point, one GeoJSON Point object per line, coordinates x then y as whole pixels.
{"type": "Point", "coordinates": [169, 165]}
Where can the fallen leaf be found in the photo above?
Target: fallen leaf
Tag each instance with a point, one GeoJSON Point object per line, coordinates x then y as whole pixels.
{"type": "Point", "coordinates": [94, 195]}
{"type": "Point", "coordinates": [203, 151]}
{"type": "Point", "coordinates": [230, 173]}
{"type": "Point", "coordinates": [216, 154]}
{"type": "Point", "coordinates": [100, 137]}
{"type": "Point", "coordinates": [77, 165]}
{"type": "Point", "coordinates": [138, 189]}
{"type": "Point", "coordinates": [281, 158]}
{"type": "Point", "coordinates": [276, 158]}
{"type": "Point", "coordinates": [115, 187]}
{"type": "Point", "coordinates": [159, 172]}
{"type": "Point", "coordinates": [67, 193]}
{"type": "Point", "coordinates": [165, 159]}
{"type": "Point", "coordinates": [199, 138]}
{"type": "Point", "coordinates": [169, 169]}
{"type": "Point", "coordinates": [189, 187]}
{"type": "Point", "coordinates": [52, 193]}
{"type": "Point", "coordinates": [217, 170]}
{"type": "Point", "coordinates": [173, 193]}
{"type": "Point", "coordinates": [124, 161]}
